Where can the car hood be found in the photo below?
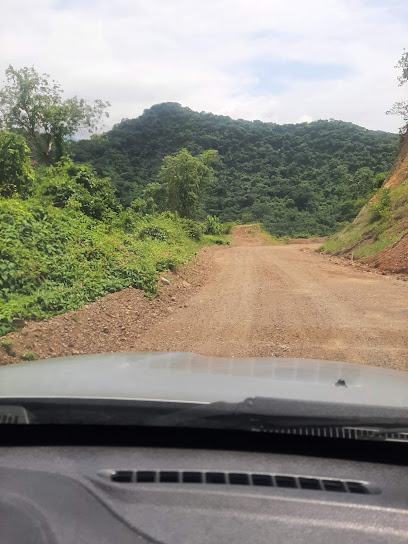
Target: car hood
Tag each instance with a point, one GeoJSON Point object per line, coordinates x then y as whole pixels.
{"type": "Point", "coordinates": [187, 377]}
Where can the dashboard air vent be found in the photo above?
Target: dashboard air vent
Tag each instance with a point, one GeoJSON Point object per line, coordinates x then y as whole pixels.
{"type": "Point", "coordinates": [238, 478]}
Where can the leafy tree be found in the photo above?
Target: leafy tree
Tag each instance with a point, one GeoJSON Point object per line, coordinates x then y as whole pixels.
{"type": "Point", "coordinates": [401, 107]}
{"type": "Point", "coordinates": [379, 180]}
{"type": "Point", "coordinates": [32, 105]}
{"type": "Point", "coordinates": [157, 193]}
{"type": "Point", "coordinates": [362, 182]}
{"type": "Point", "coordinates": [185, 176]}
{"type": "Point", "coordinates": [350, 208]}
{"type": "Point", "coordinates": [15, 165]}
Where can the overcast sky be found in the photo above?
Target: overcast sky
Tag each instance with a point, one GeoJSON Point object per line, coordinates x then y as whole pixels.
{"type": "Point", "coordinates": [285, 61]}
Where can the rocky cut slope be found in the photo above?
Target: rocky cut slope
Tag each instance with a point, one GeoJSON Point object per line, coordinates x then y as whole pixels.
{"type": "Point", "coordinates": [378, 236]}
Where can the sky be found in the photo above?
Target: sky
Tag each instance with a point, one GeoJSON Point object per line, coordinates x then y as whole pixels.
{"type": "Point", "coordinates": [285, 61]}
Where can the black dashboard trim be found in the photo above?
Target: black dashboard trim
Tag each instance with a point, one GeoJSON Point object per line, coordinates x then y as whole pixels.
{"type": "Point", "coordinates": [395, 453]}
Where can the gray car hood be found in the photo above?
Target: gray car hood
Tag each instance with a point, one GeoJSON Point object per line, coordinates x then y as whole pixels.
{"type": "Point", "coordinates": [187, 377]}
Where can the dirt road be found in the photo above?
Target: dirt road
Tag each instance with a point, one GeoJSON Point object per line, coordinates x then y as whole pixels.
{"type": "Point", "coordinates": [247, 299]}
{"type": "Point", "coordinates": [288, 301]}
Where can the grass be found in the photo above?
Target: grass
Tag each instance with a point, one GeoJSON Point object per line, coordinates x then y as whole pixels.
{"type": "Point", "coordinates": [28, 356]}
{"type": "Point", "coordinates": [366, 236]}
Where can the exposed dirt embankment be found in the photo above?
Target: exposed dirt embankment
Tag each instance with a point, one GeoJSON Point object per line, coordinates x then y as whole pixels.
{"type": "Point", "coordinates": [399, 171]}
{"type": "Point", "coordinates": [391, 260]}
{"type": "Point", "coordinates": [251, 299]}
{"type": "Point", "coordinates": [379, 239]}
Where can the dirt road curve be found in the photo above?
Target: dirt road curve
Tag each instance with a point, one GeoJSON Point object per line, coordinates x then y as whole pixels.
{"type": "Point", "coordinates": [288, 301]}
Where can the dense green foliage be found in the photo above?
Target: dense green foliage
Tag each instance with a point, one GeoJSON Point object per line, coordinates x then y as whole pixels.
{"type": "Point", "coordinates": [292, 178]}
{"type": "Point", "coordinates": [77, 187]}
{"type": "Point", "coordinates": [15, 165]}
{"type": "Point", "coordinates": [53, 260]}
{"type": "Point", "coordinates": [184, 178]}
{"type": "Point", "coordinates": [66, 241]}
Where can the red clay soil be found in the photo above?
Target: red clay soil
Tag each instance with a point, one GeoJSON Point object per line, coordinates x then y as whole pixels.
{"type": "Point", "coordinates": [391, 260]}
{"type": "Point", "coordinates": [399, 171]}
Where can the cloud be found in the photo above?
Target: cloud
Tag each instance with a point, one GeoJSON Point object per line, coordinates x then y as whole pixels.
{"type": "Point", "coordinates": [268, 59]}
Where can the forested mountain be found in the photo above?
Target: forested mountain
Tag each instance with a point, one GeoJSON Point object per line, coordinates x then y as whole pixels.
{"type": "Point", "coordinates": [296, 179]}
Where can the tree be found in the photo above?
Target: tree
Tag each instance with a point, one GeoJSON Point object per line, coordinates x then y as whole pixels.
{"type": "Point", "coordinates": [362, 182]}
{"type": "Point", "coordinates": [15, 164]}
{"type": "Point", "coordinates": [32, 105]}
{"type": "Point", "coordinates": [185, 177]}
{"type": "Point", "coordinates": [401, 107]}
{"type": "Point", "coordinates": [379, 180]}
{"type": "Point", "coordinates": [157, 193]}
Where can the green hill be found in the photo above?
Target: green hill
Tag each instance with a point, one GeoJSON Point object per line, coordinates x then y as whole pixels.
{"type": "Point", "coordinates": [298, 179]}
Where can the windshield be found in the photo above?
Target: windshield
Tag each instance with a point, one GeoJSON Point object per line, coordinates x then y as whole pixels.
{"type": "Point", "coordinates": [205, 205]}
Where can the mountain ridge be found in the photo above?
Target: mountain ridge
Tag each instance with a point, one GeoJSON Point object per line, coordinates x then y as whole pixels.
{"type": "Point", "coordinates": [292, 177]}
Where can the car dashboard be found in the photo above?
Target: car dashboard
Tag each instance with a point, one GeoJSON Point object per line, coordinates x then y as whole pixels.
{"type": "Point", "coordinates": [147, 494]}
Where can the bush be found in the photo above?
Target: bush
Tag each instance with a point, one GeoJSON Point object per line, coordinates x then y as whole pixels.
{"type": "Point", "coordinates": [155, 233]}
{"type": "Point", "coordinates": [381, 209]}
{"type": "Point", "coordinates": [349, 209]}
{"type": "Point", "coordinates": [193, 229]}
{"type": "Point", "coordinates": [16, 172]}
{"type": "Point", "coordinates": [78, 186]}
{"type": "Point", "coordinates": [53, 260]}
{"type": "Point", "coordinates": [28, 356]}
{"type": "Point", "coordinates": [212, 225]}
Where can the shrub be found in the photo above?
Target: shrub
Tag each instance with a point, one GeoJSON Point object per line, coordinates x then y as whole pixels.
{"type": "Point", "coordinates": [381, 209]}
{"type": "Point", "coordinates": [15, 165]}
{"type": "Point", "coordinates": [155, 233]}
{"type": "Point", "coordinates": [69, 183]}
{"type": "Point", "coordinates": [28, 356]}
{"type": "Point", "coordinates": [127, 220]}
{"type": "Point", "coordinates": [193, 229]}
{"type": "Point", "coordinates": [53, 260]}
{"type": "Point", "coordinates": [212, 225]}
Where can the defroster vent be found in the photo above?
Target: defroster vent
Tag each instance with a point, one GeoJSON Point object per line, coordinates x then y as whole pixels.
{"type": "Point", "coordinates": [238, 478]}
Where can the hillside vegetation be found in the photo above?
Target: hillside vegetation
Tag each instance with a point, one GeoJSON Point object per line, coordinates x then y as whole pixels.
{"type": "Point", "coordinates": [65, 239]}
{"type": "Point", "coordinates": [297, 180]}
{"type": "Point", "coordinates": [379, 233]}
